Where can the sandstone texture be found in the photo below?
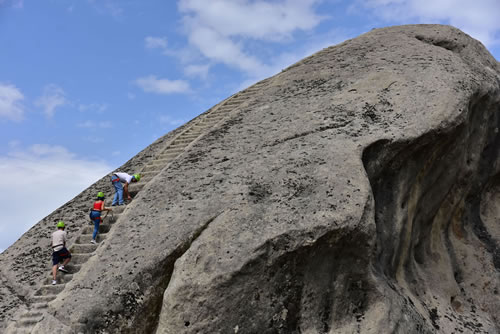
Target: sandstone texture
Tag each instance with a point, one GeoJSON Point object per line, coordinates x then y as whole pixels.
{"type": "Point", "coordinates": [356, 191]}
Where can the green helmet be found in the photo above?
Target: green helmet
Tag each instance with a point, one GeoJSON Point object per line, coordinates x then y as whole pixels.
{"type": "Point", "coordinates": [137, 177]}
{"type": "Point", "coordinates": [100, 194]}
{"type": "Point", "coordinates": [60, 224]}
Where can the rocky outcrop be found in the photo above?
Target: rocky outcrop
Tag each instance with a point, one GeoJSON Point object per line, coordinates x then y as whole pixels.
{"type": "Point", "coordinates": [354, 192]}
{"type": "Point", "coordinates": [26, 264]}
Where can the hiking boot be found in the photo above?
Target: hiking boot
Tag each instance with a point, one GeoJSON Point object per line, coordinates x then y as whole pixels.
{"type": "Point", "coordinates": [54, 282]}
{"type": "Point", "coordinates": [61, 268]}
{"type": "Point", "coordinates": [92, 241]}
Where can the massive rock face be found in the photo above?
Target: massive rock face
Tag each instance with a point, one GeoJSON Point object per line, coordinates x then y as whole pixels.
{"type": "Point", "coordinates": [355, 192]}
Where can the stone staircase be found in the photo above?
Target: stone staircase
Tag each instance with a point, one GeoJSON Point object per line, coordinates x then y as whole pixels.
{"type": "Point", "coordinates": [82, 249]}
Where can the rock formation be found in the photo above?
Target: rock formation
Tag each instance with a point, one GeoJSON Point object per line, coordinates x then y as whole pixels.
{"type": "Point", "coordinates": [355, 192]}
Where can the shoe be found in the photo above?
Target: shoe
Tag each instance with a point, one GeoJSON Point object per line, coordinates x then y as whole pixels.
{"type": "Point", "coordinates": [54, 282]}
{"type": "Point", "coordinates": [92, 241]}
{"type": "Point", "coordinates": [61, 268]}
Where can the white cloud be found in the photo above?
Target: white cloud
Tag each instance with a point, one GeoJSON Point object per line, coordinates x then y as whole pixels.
{"type": "Point", "coordinates": [222, 49]}
{"type": "Point", "coordinates": [220, 29]}
{"type": "Point", "coordinates": [52, 98]}
{"type": "Point", "coordinates": [264, 20]}
{"type": "Point", "coordinates": [156, 42]}
{"type": "Point", "coordinates": [41, 178]}
{"type": "Point", "coordinates": [10, 102]}
{"type": "Point", "coordinates": [200, 71]}
{"type": "Point", "coordinates": [185, 55]}
{"type": "Point", "coordinates": [151, 84]}
{"type": "Point", "coordinates": [41, 150]}
{"type": "Point", "coordinates": [478, 18]}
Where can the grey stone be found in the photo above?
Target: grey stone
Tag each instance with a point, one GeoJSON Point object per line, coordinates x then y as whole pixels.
{"type": "Point", "coordinates": [354, 192]}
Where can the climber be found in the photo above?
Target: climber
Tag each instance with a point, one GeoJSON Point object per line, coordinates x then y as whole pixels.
{"type": "Point", "coordinates": [117, 179]}
{"type": "Point", "coordinates": [95, 214]}
{"type": "Point", "coordinates": [60, 253]}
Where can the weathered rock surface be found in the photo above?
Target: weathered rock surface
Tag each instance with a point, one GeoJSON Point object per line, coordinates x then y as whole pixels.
{"type": "Point", "coordinates": [357, 192]}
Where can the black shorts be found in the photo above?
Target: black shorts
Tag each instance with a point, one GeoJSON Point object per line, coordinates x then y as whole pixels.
{"type": "Point", "coordinates": [60, 255]}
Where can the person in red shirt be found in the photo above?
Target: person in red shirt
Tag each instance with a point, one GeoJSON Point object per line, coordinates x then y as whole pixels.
{"type": "Point", "coordinates": [95, 214]}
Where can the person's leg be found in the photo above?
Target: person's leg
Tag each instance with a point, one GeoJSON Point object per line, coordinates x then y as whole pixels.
{"type": "Point", "coordinates": [66, 261]}
{"type": "Point", "coordinates": [119, 190]}
{"type": "Point", "coordinates": [64, 255]}
{"type": "Point", "coordinates": [96, 229]}
{"type": "Point", "coordinates": [54, 272]}
{"type": "Point", "coordinates": [96, 218]}
{"type": "Point", "coordinates": [115, 198]}
{"type": "Point", "coordinates": [55, 263]}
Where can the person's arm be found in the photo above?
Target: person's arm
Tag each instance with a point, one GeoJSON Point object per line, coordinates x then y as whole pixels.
{"type": "Point", "coordinates": [125, 190]}
{"type": "Point", "coordinates": [104, 208]}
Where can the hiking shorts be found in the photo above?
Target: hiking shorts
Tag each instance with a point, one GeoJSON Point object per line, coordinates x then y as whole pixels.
{"type": "Point", "coordinates": [60, 255]}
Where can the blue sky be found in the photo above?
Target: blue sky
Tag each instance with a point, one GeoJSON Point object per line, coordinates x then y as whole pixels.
{"type": "Point", "coordinates": [86, 84]}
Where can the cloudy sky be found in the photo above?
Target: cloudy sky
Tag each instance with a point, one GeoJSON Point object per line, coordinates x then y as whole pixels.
{"type": "Point", "coordinates": [86, 84]}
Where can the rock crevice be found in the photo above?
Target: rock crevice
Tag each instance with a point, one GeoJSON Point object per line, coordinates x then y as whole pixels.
{"type": "Point", "coordinates": [427, 195]}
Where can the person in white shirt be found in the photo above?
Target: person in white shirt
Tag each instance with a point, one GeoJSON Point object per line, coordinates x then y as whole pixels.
{"type": "Point", "coordinates": [117, 179]}
{"type": "Point", "coordinates": [60, 253]}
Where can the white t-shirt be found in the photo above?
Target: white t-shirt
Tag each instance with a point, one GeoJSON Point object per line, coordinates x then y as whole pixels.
{"type": "Point", "coordinates": [59, 240]}
{"type": "Point", "coordinates": [124, 177]}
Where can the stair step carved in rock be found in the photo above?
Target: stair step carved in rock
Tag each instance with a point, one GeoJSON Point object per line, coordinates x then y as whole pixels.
{"type": "Point", "coordinates": [32, 314]}
{"type": "Point", "coordinates": [118, 209]}
{"type": "Point", "coordinates": [73, 267]}
{"type": "Point", "coordinates": [152, 168]}
{"type": "Point", "coordinates": [43, 298]}
{"type": "Point", "coordinates": [136, 187]}
{"type": "Point", "coordinates": [79, 258]}
{"type": "Point", "coordinates": [60, 278]}
{"type": "Point", "coordinates": [40, 306]}
{"type": "Point", "coordinates": [86, 238]}
{"type": "Point", "coordinates": [161, 162]}
{"type": "Point", "coordinates": [46, 290]}
{"type": "Point", "coordinates": [83, 248]}
{"type": "Point", "coordinates": [168, 155]}
{"type": "Point", "coordinates": [103, 228]}
{"type": "Point", "coordinates": [30, 321]}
